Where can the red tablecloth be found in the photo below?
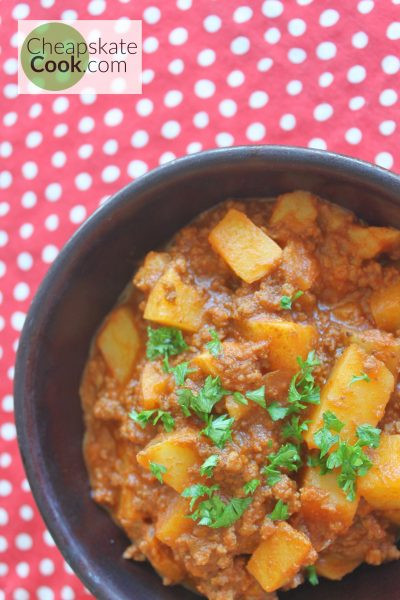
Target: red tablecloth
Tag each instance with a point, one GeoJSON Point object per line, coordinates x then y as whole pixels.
{"type": "Point", "coordinates": [322, 73]}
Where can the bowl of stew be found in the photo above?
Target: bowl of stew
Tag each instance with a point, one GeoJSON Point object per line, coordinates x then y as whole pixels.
{"type": "Point", "coordinates": [205, 389]}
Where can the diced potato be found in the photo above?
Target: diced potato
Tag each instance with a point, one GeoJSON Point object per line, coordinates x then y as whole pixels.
{"type": "Point", "coordinates": [249, 252]}
{"type": "Point", "coordinates": [381, 485]}
{"type": "Point", "coordinates": [334, 566]}
{"type": "Point", "coordinates": [368, 242]}
{"type": "Point", "coordinates": [174, 303]}
{"type": "Point", "coordinates": [297, 210]}
{"type": "Point", "coordinates": [119, 343]}
{"type": "Point", "coordinates": [280, 557]}
{"type": "Point", "coordinates": [382, 345]}
{"type": "Point", "coordinates": [206, 363]}
{"type": "Point", "coordinates": [323, 503]}
{"type": "Point", "coordinates": [355, 404]}
{"type": "Point", "coordinates": [299, 267]}
{"type": "Point", "coordinates": [287, 340]}
{"type": "Point", "coordinates": [385, 307]}
{"type": "Point", "coordinates": [177, 452]}
{"type": "Point", "coordinates": [163, 561]}
{"type": "Point", "coordinates": [153, 383]}
{"type": "Point", "coordinates": [151, 270]}
{"type": "Point", "coordinates": [235, 410]}
{"type": "Point", "coordinates": [174, 522]}
{"type": "Point", "coordinates": [333, 217]}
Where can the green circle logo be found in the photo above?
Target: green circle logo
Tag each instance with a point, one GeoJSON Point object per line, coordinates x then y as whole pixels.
{"type": "Point", "coordinates": [54, 56]}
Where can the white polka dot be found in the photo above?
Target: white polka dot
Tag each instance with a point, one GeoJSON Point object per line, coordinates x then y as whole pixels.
{"type": "Point", "coordinates": [69, 15]}
{"type": "Point", "coordinates": [297, 55]}
{"type": "Point", "coordinates": [147, 76]}
{"type": "Point", "coordinates": [365, 6]}
{"type": "Point", "coordinates": [329, 17]}
{"type": "Point", "coordinates": [24, 261]}
{"type": "Point", "coordinates": [235, 78]}
{"type": "Point", "coordinates": [326, 50]}
{"type": "Point", "coordinates": [359, 40]}
{"type": "Point", "coordinates": [393, 31]}
{"type": "Point", "coordinates": [23, 541]}
{"type": "Point", "coordinates": [5, 179]}
{"type": "Point", "coordinates": [110, 173]}
{"type": "Point", "coordinates": [33, 139]}
{"type": "Point", "coordinates": [264, 64]}
{"type": "Point", "coordinates": [3, 516]}
{"type": "Point", "coordinates": [356, 74]}
{"type": "Point", "coordinates": [88, 97]}
{"type": "Point", "coordinates": [21, 291]}
{"type": "Point", "coordinates": [201, 119]}
{"type": "Point", "coordinates": [294, 87]}
{"type": "Point", "coordinates": [21, 594]}
{"type": "Point", "coordinates": [242, 14]}
{"type": "Point", "coordinates": [184, 4]}
{"type": "Point", "coordinates": [29, 199]}
{"type": "Point", "coordinates": [60, 105]}
{"type": "Point", "coordinates": [83, 181]}
{"type": "Point", "coordinates": [150, 45]}
{"type": "Point", "coordinates": [152, 15]}
{"type": "Point", "coordinates": [356, 102]}
{"type": "Point", "coordinates": [212, 23]}
{"type": "Point", "coordinates": [194, 147]}
{"type": "Point", "coordinates": [170, 130]}
{"type": "Point", "coordinates": [25, 486]}
{"type": "Point", "coordinates": [384, 159]}
{"type": "Point", "coordinates": [85, 151]}
{"type": "Point", "coordinates": [10, 66]}
{"type": "Point", "coordinates": [3, 238]}
{"type": "Point", "coordinates": [287, 122]}
{"type": "Point", "coordinates": [58, 159]}
{"type": "Point", "coordinates": [35, 110]}
{"type": "Point", "coordinates": [53, 192]}
{"type": "Point", "coordinates": [4, 208]}
{"type": "Point", "coordinates": [387, 127]}
{"type": "Point", "coordinates": [258, 99]}
{"type": "Point", "coordinates": [77, 214]}
{"type": "Point", "coordinates": [297, 27]}
{"type": "Point", "coordinates": [7, 430]}
{"type": "Point", "coordinates": [224, 139]}
{"type": "Point", "coordinates": [86, 124]}
{"type": "Point", "coordinates": [353, 135]}
{"type": "Point", "coordinates": [388, 97]}
{"type": "Point", "coordinates": [44, 592]}
{"type": "Point", "coordinates": [10, 119]}
{"type": "Point", "coordinates": [3, 541]}
{"type": "Point", "coordinates": [26, 230]}
{"type": "Point", "coordinates": [95, 8]}
{"type": "Point", "coordinates": [144, 107]}
{"type": "Point", "coordinates": [68, 569]}
{"type": "Point", "coordinates": [227, 107]}
{"type": "Point", "coordinates": [390, 64]}
{"type": "Point", "coordinates": [5, 149]}
{"type": "Point", "coordinates": [18, 320]}
{"type": "Point", "coordinates": [3, 572]}
{"type": "Point", "coordinates": [52, 222]}
{"type": "Point", "coordinates": [20, 11]}
{"type": "Point", "coordinates": [8, 401]}
{"type": "Point", "coordinates": [323, 112]}
{"type": "Point", "coordinates": [166, 157]}
{"type": "Point", "coordinates": [304, 2]}
{"type": "Point", "coordinates": [176, 66]}
{"type": "Point", "coordinates": [60, 130]}
{"type": "Point", "coordinates": [255, 132]}
{"type": "Point", "coordinates": [26, 512]}
{"type": "Point", "coordinates": [22, 569]}
{"type": "Point", "coordinates": [113, 117]}
{"type": "Point", "coordinates": [46, 567]}
{"type": "Point", "coordinates": [47, 538]}
{"type": "Point", "coordinates": [240, 45]}
{"type": "Point", "coordinates": [10, 373]}
{"type": "Point", "coordinates": [178, 36]}
{"type": "Point", "coordinates": [173, 98]}
{"type": "Point", "coordinates": [204, 88]}
{"type": "Point", "coordinates": [49, 253]}
{"type": "Point", "coordinates": [136, 168]}
{"type": "Point", "coordinates": [3, 268]}
{"type": "Point", "coordinates": [5, 460]}
{"type": "Point", "coordinates": [272, 35]}
{"type": "Point", "coordinates": [325, 79]}
{"type": "Point", "coordinates": [272, 8]}
{"type": "Point", "coordinates": [206, 57]}
{"type": "Point", "coordinates": [138, 140]}
{"type": "Point", "coordinates": [10, 90]}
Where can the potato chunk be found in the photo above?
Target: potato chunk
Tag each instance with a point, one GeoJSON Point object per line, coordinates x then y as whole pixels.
{"type": "Point", "coordinates": [287, 340]}
{"type": "Point", "coordinates": [381, 485]}
{"type": "Point", "coordinates": [206, 363]}
{"type": "Point", "coordinates": [163, 561]}
{"type": "Point", "coordinates": [385, 307]}
{"type": "Point", "coordinates": [249, 252]}
{"type": "Point", "coordinates": [174, 303]}
{"type": "Point", "coordinates": [334, 566]}
{"type": "Point", "coordinates": [153, 383]}
{"type": "Point", "coordinates": [235, 410]}
{"type": "Point", "coordinates": [177, 452]}
{"type": "Point", "coordinates": [151, 270]}
{"type": "Point", "coordinates": [382, 345]}
{"type": "Point", "coordinates": [323, 503]}
{"type": "Point", "coordinates": [368, 242]}
{"type": "Point", "coordinates": [119, 343]}
{"type": "Point", "coordinates": [355, 404]}
{"type": "Point", "coordinates": [174, 522]}
{"type": "Point", "coordinates": [280, 557]}
{"type": "Point", "coordinates": [297, 210]}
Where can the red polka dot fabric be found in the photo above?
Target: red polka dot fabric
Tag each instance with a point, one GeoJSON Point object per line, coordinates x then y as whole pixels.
{"type": "Point", "coordinates": [316, 73]}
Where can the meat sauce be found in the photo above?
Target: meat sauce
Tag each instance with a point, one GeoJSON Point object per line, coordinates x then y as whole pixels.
{"type": "Point", "coordinates": [284, 314]}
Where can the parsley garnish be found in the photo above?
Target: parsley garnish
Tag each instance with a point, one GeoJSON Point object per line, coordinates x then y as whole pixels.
{"type": "Point", "coordinates": [280, 512]}
{"type": "Point", "coordinates": [145, 416]}
{"type": "Point", "coordinates": [251, 486]}
{"type": "Point", "coordinates": [323, 438]}
{"type": "Point", "coordinates": [286, 301]}
{"type": "Point", "coordinates": [361, 377]}
{"type": "Point", "coordinates": [214, 512]}
{"type": "Point", "coordinates": [257, 396]}
{"type": "Point", "coordinates": [239, 398]}
{"type": "Point", "coordinates": [293, 429]}
{"type": "Point", "coordinates": [368, 436]}
{"type": "Point", "coordinates": [203, 402]}
{"type": "Point", "coordinates": [207, 468]}
{"type": "Point", "coordinates": [165, 342]}
{"type": "Point", "coordinates": [158, 471]}
{"type": "Point", "coordinates": [277, 411]}
{"type": "Point", "coordinates": [197, 491]}
{"type": "Point", "coordinates": [180, 372]}
{"type": "Point", "coordinates": [286, 457]}
{"type": "Point", "coordinates": [312, 575]}
{"type": "Point", "coordinates": [219, 429]}
{"type": "Point", "coordinates": [215, 346]}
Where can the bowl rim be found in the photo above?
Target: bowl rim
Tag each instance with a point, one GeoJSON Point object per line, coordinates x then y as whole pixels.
{"type": "Point", "coordinates": [338, 164]}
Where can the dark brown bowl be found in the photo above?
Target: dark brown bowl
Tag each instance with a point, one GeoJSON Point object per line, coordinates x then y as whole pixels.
{"type": "Point", "coordinates": [80, 289]}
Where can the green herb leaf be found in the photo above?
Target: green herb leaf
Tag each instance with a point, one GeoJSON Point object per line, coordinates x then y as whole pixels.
{"type": "Point", "coordinates": [293, 429]}
{"type": "Point", "coordinates": [280, 512]}
{"type": "Point", "coordinates": [215, 346]}
{"type": "Point", "coordinates": [312, 575]}
{"type": "Point", "coordinates": [353, 463]}
{"type": "Point", "coordinates": [239, 398]}
{"type": "Point", "coordinates": [257, 396]}
{"type": "Point", "coordinates": [165, 342]}
{"type": "Point", "coordinates": [204, 401]}
{"type": "Point", "coordinates": [158, 471]}
{"type": "Point", "coordinates": [302, 389]}
{"type": "Point", "coordinates": [332, 422]}
{"type": "Point", "coordinates": [197, 491]}
{"type": "Point", "coordinates": [219, 429]}
{"type": "Point", "coordinates": [287, 457]}
{"type": "Point", "coordinates": [325, 440]}
{"type": "Point", "coordinates": [287, 301]}
{"type": "Point", "coordinates": [277, 411]}
{"type": "Point", "coordinates": [146, 416]}
{"type": "Point", "coordinates": [215, 513]}
{"type": "Point", "coordinates": [251, 486]}
{"type": "Point", "coordinates": [368, 436]}
{"type": "Point", "coordinates": [185, 400]}
{"type": "Point", "coordinates": [362, 377]}
{"type": "Point", "coordinates": [207, 468]}
{"type": "Point", "coordinates": [180, 372]}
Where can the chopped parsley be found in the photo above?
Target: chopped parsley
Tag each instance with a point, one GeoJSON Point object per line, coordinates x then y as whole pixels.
{"type": "Point", "coordinates": [361, 377]}
{"type": "Point", "coordinates": [280, 512]}
{"type": "Point", "coordinates": [214, 512]}
{"type": "Point", "coordinates": [312, 575]}
{"type": "Point", "coordinates": [180, 372]}
{"type": "Point", "coordinates": [207, 468]}
{"type": "Point", "coordinates": [287, 457]}
{"type": "Point", "coordinates": [164, 342]}
{"type": "Point", "coordinates": [144, 417]}
{"type": "Point", "coordinates": [158, 471]}
{"type": "Point", "coordinates": [368, 436]}
{"type": "Point", "coordinates": [277, 411]}
{"type": "Point", "coordinates": [257, 396]}
{"type": "Point", "coordinates": [287, 301]}
{"type": "Point", "coordinates": [239, 398]}
{"type": "Point", "coordinates": [197, 491]}
{"type": "Point", "coordinates": [219, 429]}
{"type": "Point", "coordinates": [215, 346]}
{"type": "Point", "coordinates": [294, 429]}
{"type": "Point", "coordinates": [251, 486]}
{"type": "Point", "coordinates": [204, 401]}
